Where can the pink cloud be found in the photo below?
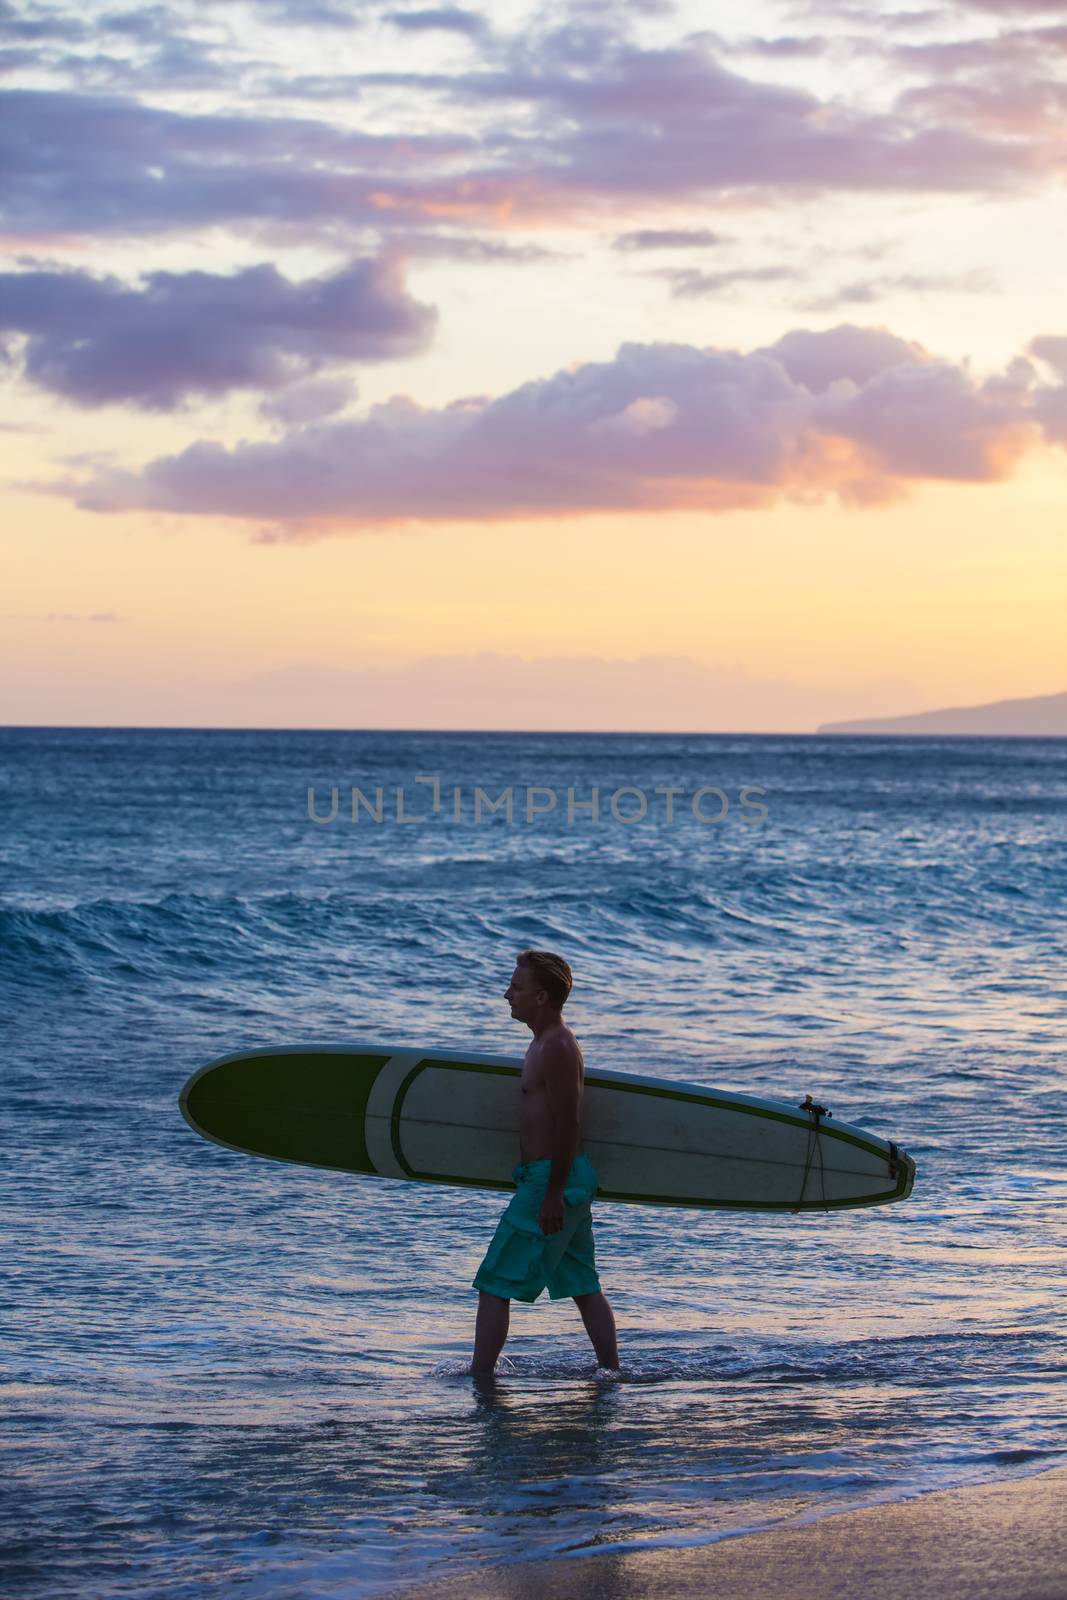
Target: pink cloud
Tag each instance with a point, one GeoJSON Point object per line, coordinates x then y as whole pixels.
{"type": "Point", "coordinates": [497, 689]}
{"type": "Point", "coordinates": [852, 412]}
{"type": "Point", "coordinates": [1013, 106]}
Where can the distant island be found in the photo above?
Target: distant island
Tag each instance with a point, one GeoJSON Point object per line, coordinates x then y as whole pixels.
{"type": "Point", "coordinates": [1043, 716]}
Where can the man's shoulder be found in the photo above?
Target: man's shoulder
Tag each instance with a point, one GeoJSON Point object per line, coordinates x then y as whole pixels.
{"type": "Point", "coordinates": [560, 1046]}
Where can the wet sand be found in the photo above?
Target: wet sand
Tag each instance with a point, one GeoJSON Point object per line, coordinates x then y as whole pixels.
{"type": "Point", "coordinates": [997, 1541]}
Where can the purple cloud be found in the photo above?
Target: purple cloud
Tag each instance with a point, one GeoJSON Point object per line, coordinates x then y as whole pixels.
{"type": "Point", "coordinates": [15, 24]}
{"type": "Point", "coordinates": [854, 412]}
{"type": "Point", "coordinates": [1021, 108]}
{"type": "Point", "coordinates": [617, 121]}
{"type": "Point", "coordinates": [846, 353]}
{"type": "Point", "coordinates": [101, 164]}
{"type": "Point", "coordinates": [1051, 402]}
{"type": "Point", "coordinates": [868, 291]}
{"type": "Point", "coordinates": [1052, 349]}
{"type": "Point", "coordinates": [1005, 85]}
{"type": "Point", "coordinates": [309, 402]}
{"type": "Point", "coordinates": [1021, 7]}
{"type": "Point", "coordinates": [931, 420]}
{"type": "Point", "coordinates": [445, 19]}
{"type": "Point", "coordinates": [570, 125]}
{"type": "Point", "coordinates": [469, 247]}
{"type": "Point", "coordinates": [1017, 48]}
{"type": "Point", "coordinates": [787, 47]}
{"type": "Point", "coordinates": [666, 239]}
{"type": "Point", "coordinates": [96, 341]}
{"type": "Point", "coordinates": [687, 283]}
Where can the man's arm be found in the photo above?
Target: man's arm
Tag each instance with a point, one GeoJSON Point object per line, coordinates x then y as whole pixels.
{"type": "Point", "coordinates": [560, 1069]}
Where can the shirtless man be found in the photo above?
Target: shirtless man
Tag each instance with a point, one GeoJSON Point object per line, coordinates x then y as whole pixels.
{"type": "Point", "coordinates": [545, 1236]}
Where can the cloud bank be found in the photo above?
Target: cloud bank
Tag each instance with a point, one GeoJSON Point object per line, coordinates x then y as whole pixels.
{"type": "Point", "coordinates": [572, 123]}
{"type": "Point", "coordinates": [853, 412]}
{"type": "Point", "coordinates": [496, 689]}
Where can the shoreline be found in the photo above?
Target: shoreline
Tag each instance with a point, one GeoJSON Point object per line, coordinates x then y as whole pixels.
{"type": "Point", "coordinates": [1003, 1540]}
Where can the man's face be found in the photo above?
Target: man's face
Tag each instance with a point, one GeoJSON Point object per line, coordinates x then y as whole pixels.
{"type": "Point", "coordinates": [522, 993]}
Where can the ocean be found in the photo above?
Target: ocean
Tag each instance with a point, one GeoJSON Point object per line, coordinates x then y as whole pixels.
{"type": "Point", "coordinates": [230, 1375]}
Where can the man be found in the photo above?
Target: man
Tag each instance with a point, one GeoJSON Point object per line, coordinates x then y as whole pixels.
{"type": "Point", "coordinates": [545, 1236]}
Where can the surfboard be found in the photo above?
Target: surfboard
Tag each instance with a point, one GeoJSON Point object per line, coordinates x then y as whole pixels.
{"type": "Point", "coordinates": [452, 1116]}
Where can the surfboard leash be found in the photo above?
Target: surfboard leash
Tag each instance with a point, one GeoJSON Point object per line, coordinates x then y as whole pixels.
{"type": "Point", "coordinates": [816, 1113]}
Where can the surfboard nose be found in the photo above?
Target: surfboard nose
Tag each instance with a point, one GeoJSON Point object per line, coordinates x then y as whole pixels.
{"type": "Point", "coordinates": [902, 1168]}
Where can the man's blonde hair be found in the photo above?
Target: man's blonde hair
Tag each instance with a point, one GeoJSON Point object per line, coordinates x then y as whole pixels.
{"type": "Point", "coordinates": [553, 973]}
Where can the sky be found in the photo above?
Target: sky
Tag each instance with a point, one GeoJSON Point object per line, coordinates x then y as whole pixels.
{"type": "Point", "coordinates": [556, 366]}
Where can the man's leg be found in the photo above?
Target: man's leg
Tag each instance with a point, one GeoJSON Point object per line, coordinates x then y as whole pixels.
{"type": "Point", "coordinates": [599, 1322]}
{"type": "Point", "coordinates": [490, 1330]}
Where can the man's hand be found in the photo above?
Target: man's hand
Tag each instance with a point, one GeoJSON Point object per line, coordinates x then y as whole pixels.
{"type": "Point", "coordinates": [551, 1218]}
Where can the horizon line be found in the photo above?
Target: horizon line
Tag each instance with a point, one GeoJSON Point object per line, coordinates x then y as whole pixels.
{"type": "Point", "coordinates": [577, 733]}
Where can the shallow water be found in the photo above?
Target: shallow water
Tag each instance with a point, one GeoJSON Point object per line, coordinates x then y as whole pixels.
{"type": "Point", "coordinates": [219, 1370]}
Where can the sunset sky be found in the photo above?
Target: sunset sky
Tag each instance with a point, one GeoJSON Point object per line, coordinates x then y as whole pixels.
{"type": "Point", "coordinates": [553, 366]}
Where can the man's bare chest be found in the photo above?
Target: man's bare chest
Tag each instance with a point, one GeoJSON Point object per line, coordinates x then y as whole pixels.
{"type": "Point", "coordinates": [532, 1083]}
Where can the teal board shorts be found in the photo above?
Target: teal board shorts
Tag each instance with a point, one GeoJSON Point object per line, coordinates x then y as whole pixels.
{"type": "Point", "coordinates": [522, 1260]}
